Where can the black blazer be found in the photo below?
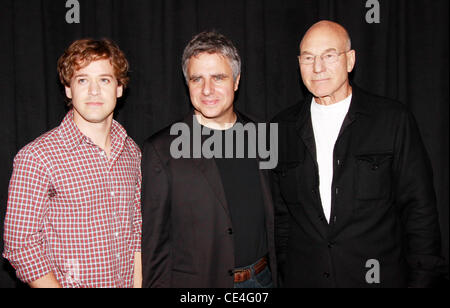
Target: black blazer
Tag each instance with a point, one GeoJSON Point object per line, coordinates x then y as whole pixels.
{"type": "Point", "coordinates": [187, 232]}
{"type": "Point", "coordinates": [383, 201]}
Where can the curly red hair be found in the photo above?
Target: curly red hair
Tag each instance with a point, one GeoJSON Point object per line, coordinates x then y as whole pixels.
{"type": "Point", "coordinates": [82, 52]}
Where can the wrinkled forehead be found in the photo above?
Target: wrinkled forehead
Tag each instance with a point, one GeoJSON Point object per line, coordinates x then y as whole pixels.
{"type": "Point", "coordinates": [320, 39]}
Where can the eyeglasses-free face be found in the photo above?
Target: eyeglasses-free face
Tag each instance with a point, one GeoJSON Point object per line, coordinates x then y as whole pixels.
{"type": "Point", "coordinates": [94, 90]}
{"type": "Point", "coordinates": [211, 89]}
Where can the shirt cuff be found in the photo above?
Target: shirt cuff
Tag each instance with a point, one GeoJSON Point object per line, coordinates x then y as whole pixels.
{"type": "Point", "coordinates": [30, 265]}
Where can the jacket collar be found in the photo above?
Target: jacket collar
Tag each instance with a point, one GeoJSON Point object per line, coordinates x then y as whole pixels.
{"type": "Point", "coordinates": [360, 104]}
{"type": "Point", "coordinates": [209, 169]}
{"type": "Point", "coordinates": [244, 119]}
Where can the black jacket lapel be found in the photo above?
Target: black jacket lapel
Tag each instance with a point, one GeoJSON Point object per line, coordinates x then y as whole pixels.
{"type": "Point", "coordinates": [209, 170]}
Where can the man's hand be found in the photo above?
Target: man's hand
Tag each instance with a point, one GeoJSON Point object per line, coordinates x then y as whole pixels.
{"type": "Point", "coordinates": [137, 270]}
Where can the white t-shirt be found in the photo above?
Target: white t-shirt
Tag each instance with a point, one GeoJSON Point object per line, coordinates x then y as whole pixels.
{"type": "Point", "coordinates": [327, 122]}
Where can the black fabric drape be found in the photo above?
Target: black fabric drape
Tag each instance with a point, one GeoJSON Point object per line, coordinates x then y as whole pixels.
{"type": "Point", "coordinates": [404, 57]}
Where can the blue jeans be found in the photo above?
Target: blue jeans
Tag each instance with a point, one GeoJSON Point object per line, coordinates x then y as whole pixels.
{"type": "Point", "coordinates": [261, 280]}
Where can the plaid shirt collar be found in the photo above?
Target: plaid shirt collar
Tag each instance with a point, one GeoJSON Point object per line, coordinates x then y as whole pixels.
{"type": "Point", "coordinates": [72, 136]}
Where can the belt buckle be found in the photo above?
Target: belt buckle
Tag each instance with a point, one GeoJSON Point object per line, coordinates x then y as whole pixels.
{"type": "Point", "coordinates": [245, 274]}
{"type": "Point", "coordinates": [260, 266]}
{"type": "Point", "coordinates": [242, 275]}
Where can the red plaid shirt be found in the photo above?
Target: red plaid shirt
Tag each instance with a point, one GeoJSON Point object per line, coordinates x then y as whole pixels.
{"type": "Point", "coordinates": [74, 213]}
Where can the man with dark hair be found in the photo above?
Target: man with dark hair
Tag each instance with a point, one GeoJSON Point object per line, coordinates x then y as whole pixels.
{"type": "Point", "coordinates": [207, 222]}
{"type": "Point", "coordinates": [73, 216]}
{"type": "Point", "coordinates": [355, 205]}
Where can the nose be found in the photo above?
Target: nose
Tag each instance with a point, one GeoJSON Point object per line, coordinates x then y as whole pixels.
{"type": "Point", "coordinates": [94, 89]}
{"type": "Point", "coordinates": [208, 87]}
{"type": "Point", "coordinates": [318, 65]}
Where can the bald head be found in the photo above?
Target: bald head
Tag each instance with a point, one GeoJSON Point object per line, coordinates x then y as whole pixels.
{"type": "Point", "coordinates": [330, 29]}
{"type": "Point", "coordinates": [325, 61]}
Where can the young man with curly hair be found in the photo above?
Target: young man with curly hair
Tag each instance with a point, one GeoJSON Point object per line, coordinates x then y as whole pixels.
{"type": "Point", "coordinates": [73, 216]}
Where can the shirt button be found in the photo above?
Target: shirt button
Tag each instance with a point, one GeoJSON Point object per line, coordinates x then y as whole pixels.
{"type": "Point", "coordinates": [118, 256]}
{"type": "Point", "coordinates": [116, 234]}
{"type": "Point", "coordinates": [326, 275]}
{"type": "Point", "coordinates": [230, 231]}
{"type": "Point", "coordinates": [112, 194]}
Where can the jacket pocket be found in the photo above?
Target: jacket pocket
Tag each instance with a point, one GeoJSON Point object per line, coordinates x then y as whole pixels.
{"type": "Point", "coordinates": [289, 181]}
{"type": "Point", "coordinates": [373, 176]}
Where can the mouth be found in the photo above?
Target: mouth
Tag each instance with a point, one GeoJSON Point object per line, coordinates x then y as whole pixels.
{"type": "Point", "coordinates": [94, 104]}
{"type": "Point", "coordinates": [321, 80]}
{"type": "Point", "coordinates": [210, 102]}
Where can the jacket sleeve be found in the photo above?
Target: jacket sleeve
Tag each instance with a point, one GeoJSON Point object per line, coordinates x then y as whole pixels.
{"type": "Point", "coordinates": [156, 237]}
{"type": "Point", "coordinates": [416, 198]}
{"type": "Point", "coordinates": [281, 225]}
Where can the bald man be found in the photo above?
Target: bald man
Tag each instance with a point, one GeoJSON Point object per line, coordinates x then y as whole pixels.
{"type": "Point", "coordinates": [355, 203]}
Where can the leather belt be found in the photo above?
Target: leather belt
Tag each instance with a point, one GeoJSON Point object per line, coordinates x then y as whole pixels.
{"type": "Point", "coordinates": [241, 275]}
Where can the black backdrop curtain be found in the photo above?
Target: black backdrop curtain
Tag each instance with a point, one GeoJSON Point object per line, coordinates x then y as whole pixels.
{"type": "Point", "coordinates": [404, 57]}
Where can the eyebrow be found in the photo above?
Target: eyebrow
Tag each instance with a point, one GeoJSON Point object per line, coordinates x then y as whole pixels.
{"type": "Point", "coordinates": [194, 77]}
{"type": "Point", "coordinates": [86, 75]}
{"type": "Point", "coordinates": [309, 53]}
{"type": "Point", "coordinates": [220, 75]}
{"type": "Point", "coordinates": [212, 75]}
